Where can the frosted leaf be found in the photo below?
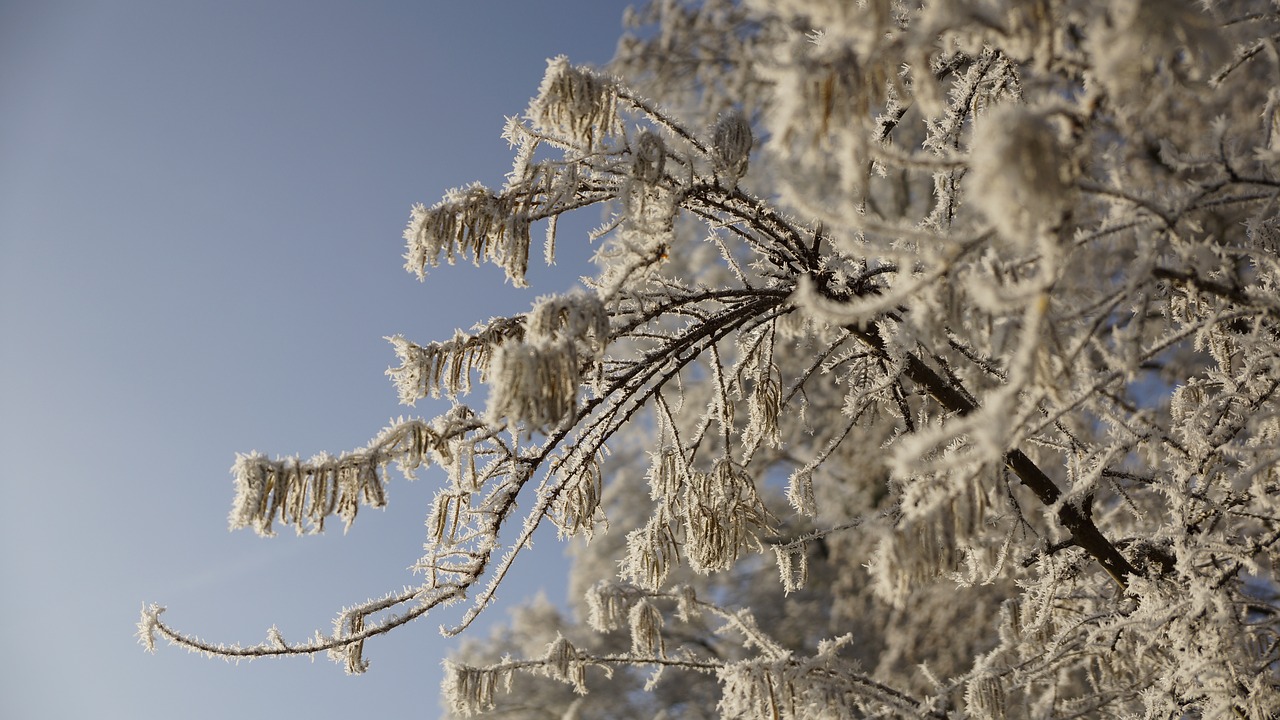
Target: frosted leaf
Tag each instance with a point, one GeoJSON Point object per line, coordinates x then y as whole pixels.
{"type": "Point", "coordinates": [751, 690]}
{"type": "Point", "coordinates": [470, 221]}
{"type": "Point", "coordinates": [564, 663]}
{"type": "Point", "coordinates": [446, 517]}
{"type": "Point", "coordinates": [608, 606]}
{"type": "Point", "coordinates": [576, 510]}
{"type": "Point", "coordinates": [303, 494]}
{"type": "Point", "coordinates": [526, 144]}
{"type": "Point", "coordinates": [646, 630]}
{"type": "Point", "coordinates": [984, 697]}
{"type": "Point", "coordinates": [924, 84]}
{"type": "Point", "coordinates": [580, 317]}
{"type": "Point", "coordinates": [763, 407]}
{"type": "Point", "coordinates": [575, 105]}
{"type": "Point", "coordinates": [458, 456]}
{"type": "Point", "coordinates": [722, 516]}
{"type": "Point", "coordinates": [913, 556]}
{"type": "Point", "coordinates": [793, 566]}
{"type": "Point", "coordinates": [1021, 174]}
{"type": "Point", "coordinates": [835, 22]}
{"type": "Point", "coordinates": [350, 653]}
{"type": "Point", "coordinates": [534, 386]}
{"type": "Point", "coordinates": [444, 368]}
{"type": "Point", "coordinates": [665, 476]}
{"type": "Point", "coordinates": [470, 691]}
{"type": "Point", "coordinates": [800, 492]}
{"type": "Point", "coordinates": [1140, 35]}
{"type": "Point", "coordinates": [651, 553]}
{"type": "Point", "coordinates": [687, 608]}
{"type": "Point", "coordinates": [1264, 232]}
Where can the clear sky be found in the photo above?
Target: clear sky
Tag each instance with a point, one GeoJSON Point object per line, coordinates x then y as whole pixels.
{"type": "Point", "coordinates": [200, 215]}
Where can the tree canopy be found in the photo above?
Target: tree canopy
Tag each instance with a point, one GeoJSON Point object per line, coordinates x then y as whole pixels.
{"type": "Point", "coordinates": [929, 370]}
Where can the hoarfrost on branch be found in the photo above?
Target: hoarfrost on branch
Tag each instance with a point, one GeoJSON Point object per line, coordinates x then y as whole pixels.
{"type": "Point", "coordinates": [930, 369]}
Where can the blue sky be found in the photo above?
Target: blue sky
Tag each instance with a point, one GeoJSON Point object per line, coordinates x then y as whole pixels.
{"type": "Point", "coordinates": [200, 217]}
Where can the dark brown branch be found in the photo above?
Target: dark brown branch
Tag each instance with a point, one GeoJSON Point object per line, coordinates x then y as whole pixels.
{"type": "Point", "coordinates": [1076, 519]}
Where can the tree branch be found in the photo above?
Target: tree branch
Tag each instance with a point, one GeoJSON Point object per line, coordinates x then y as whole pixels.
{"type": "Point", "coordinates": [1077, 520]}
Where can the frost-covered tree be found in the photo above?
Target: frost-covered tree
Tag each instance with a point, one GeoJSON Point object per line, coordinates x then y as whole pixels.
{"type": "Point", "coordinates": [930, 369]}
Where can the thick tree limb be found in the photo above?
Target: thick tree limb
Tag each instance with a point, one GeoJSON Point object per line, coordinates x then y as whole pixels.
{"type": "Point", "coordinates": [1075, 519]}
